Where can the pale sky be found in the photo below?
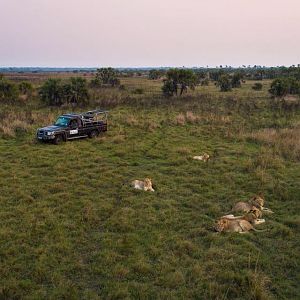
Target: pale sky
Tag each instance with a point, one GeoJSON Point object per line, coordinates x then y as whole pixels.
{"type": "Point", "coordinates": [136, 33]}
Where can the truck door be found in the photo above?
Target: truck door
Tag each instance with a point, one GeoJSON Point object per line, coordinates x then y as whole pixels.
{"type": "Point", "coordinates": [73, 129]}
{"type": "Point", "coordinates": [81, 129]}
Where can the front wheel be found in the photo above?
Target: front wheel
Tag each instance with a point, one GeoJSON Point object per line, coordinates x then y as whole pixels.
{"type": "Point", "coordinates": [58, 140]}
{"type": "Point", "coordinates": [93, 134]}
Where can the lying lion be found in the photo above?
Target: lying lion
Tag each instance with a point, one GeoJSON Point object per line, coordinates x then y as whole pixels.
{"type": "Point", "coordinates": [145, 185]}
{"type": "Point", "coordinates": [205, 157]}
{"type": "Point", "coordinates": [234, 225]}
{"type": "Point", "coordinates": [255, 203]}
{"type": "Point", "coordinates": [253, 217]}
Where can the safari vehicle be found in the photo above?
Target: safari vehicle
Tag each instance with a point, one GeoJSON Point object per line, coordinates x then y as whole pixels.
{"type": "Point", "coordinates": [73, 126]}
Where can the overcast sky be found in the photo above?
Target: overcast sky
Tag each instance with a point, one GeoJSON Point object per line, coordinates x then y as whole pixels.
{"type": "Point", "coordinates": [135, 33]}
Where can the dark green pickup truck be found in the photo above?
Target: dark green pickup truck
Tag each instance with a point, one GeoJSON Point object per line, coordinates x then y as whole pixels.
{"type": "Point", "coordinates": [73, 126]}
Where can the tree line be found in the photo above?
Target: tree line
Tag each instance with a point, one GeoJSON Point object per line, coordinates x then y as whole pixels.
{"type": "Point", "coordinates": [175, 82]}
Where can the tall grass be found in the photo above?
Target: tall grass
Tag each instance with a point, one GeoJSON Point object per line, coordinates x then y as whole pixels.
{"type": "Point", "coordinates": [71, 227]}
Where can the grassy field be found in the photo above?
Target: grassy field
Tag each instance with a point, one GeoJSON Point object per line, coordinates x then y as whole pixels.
{"type": "Point", "coordinates": [71, 227]}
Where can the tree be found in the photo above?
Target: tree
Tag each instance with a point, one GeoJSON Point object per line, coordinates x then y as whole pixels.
{"type": "Point", "coordinates": [294, 86]}
{"type": "Point", "coordinates": [75, 91]}
{"type": "Point", "coordinates": [25, 88]}
{"type": "Point", "coordinates": [283, 86]}
{"type": "Point", "coordinates": [224, 83]}
{"type": "Point", "coordinates": [56, 92]}
{"type": "Point", "coordinates": [51, 92]}
{"type": "Point", "coordinates": [215, 75]}
{"type": "Point", "coordinates": [236, 80]}
{"type": "Point", "coordinates": [179, 79]}
{"type": "Point", "coordinates": [105, 76]}
{"type": "Point", "coordinates": [8, 90]}
{"type": "Point", "coordinates": [155, 74]}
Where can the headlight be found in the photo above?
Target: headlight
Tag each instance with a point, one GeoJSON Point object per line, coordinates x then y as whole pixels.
{"type": "Point", "coordinates": [50, 133]}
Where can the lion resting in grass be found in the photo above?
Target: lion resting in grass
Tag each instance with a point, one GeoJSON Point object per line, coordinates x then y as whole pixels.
{"type": "Point", "coordinates": [253, 217]}
{"type": "Point", "coordinates": [234, 225]}
{"type": "Point", "coordinates": [145, 185]}
{"type": "Point", "coordinates": [205, 157]}
{"type": "Point", "coordinates": [255, 203]}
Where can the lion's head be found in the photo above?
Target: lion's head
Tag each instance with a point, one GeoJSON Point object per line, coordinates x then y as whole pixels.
{"type": "Point", "coordinates": [205, 157]}
{"type": "Point", "coordinates": [148, 182]}
{"type": "Point", "coordinates": [221, 225]}
{"type": "Point", "coordinates": [256, 212]}
{"type": "Point", "coordinates": [258, 201]}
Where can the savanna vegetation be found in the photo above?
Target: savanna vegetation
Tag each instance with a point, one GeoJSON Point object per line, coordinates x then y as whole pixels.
{"type": "Point", "coordinates": [71, 227]}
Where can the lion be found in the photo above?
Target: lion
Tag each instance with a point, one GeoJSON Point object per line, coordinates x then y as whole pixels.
{"type": "Point", "coordinates": [255, 203]}
{"type": "Point", "coordinates": [145, 185]}
{"type": "Point", "coordinates": [234, 225]}
{"type": "Point", "coordinates": [253, 217]}
{"type": "Point", "coordinates": [205, 157]}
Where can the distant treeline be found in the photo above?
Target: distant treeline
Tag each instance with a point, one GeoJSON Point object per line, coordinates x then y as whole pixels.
{"type": "Point", "coordinates": [175, 82]}
{"type": "Point", "coordinates": [247, 72]}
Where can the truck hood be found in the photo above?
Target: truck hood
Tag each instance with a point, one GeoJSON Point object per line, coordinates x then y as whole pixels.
{"type": "Point", "coordinates": [51, 128]}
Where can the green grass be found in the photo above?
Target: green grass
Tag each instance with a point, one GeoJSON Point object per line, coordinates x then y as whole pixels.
{"type": "Point", "coordinates": [71, 227]}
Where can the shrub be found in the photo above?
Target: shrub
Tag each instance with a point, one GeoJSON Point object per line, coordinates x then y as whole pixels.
{"type": "Point", "coordinates": [75, 91]}
{"type": "Point", "coordinates": [122, 87]}
{"type": "Point", "coordinates": [236, 80]}
{"type": "Point", "coordinates": [51, 92]}
{"type": "Point", "coordinates": [155, 74]}
{"type": "Point", "coordinates": [224, 83]}
{"type": "Point", "coordinates": [179, 79]}
{"type": "Point", "coordinates": [25, 88]}
{"type": "Point", "coordinates": [138, 91]}
{"type": "Point", "coordinates": [8, 91]}
{"type": "Point", "coordinates": [257, 86]}
{"type": "Point", "coordinates": [105, 76]}
{"type": "Point", "coordinates": [294, 86]}
{"type": "Point", "coordinates": [205, 82]}
{"type": "Point", "coordinates": [282, 86]}
{"type": "Point", "coordinates": [55, 92]}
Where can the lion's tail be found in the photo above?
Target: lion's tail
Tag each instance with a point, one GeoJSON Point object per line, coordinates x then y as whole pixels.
{"type": "Point", "coordinates": [259, 230]}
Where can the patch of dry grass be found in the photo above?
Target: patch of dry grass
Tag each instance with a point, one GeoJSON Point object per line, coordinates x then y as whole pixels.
{"type": "Point", "coordinates": [21, 121]}
{"type": "Point", "coordinates": [286, 140]}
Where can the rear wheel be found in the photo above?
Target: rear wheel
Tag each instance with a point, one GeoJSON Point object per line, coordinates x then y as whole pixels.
{"type": "Point", "coordinates": [93, 134]}
{"type": "Point", "coordinates": [58, 140]}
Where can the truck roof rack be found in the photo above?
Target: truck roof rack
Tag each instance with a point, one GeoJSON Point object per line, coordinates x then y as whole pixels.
{"type": "Point", "coordinates": [88, 114]}
{"type": "Point", "coordinates": [94, 112]}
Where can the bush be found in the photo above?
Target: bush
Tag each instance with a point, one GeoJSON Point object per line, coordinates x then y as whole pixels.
{"type": "Point", "coordinates": [138, 91]}
{"type": "Point", "coordinates": [55, 92]}
{"type": "Point", "coordinates": [105, 76]}
{"type": "Point", "coordinates": [155, 74]}
{"type": "Point", "coordinates": [179, 79]}
{"type": "Point", "coordinates": [169, 88]}
{"type": "Point", "coordinates": [8, 91]}
{"type": "Point", "coordinates": [122, 87]}
{"type": "Point", "coordinates": [257, 86]}
{"type": "Point", "coordinates": [282, 86]}
{"type": "Point", "coordinates": [75, 91]}
{"type": "Point", "coordinates": [25, 88]}
{"type": "Point", "coordinates": [205, 82]}
{"type": "Point", "coordinates": [236, 80]}
{"type": "Point", "coordinates": [51, 92]}
{"type": "Point", "coordinates": [224, 83]}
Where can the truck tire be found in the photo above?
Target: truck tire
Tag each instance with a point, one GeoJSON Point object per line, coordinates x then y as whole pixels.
{"type": "Point", "coordinates": [58, 140]}
{"type": "Point", "coordinates": [93, 134]}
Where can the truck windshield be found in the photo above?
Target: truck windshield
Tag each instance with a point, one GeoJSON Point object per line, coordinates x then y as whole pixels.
{"type": "Point", "coordinates": [62, 121]}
